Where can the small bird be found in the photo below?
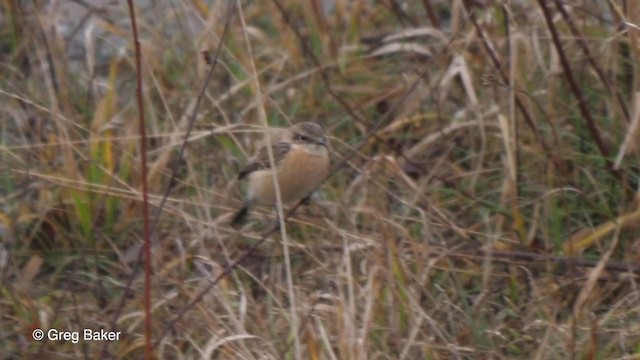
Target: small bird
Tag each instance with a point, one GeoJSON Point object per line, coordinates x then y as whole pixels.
{"type": "Point", "coordinates": [301, 160]}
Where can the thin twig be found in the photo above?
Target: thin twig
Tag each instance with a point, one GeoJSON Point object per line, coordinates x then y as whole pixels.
{"type": "Point", "coordinates": [523, 257]}
{"type": "Point", "coordinates": [498, 66]}
{"type": "Point", "coordinates": [575, 89]}
{"type": "Point", "coordinates": [145, 190]}
{"type": "Point", "coordinates": [431, 13]}
{"type": "Point", "coordinates": [306, 49]}
{"type": "Point", "coordinates": [532, 258]}
{"type": "Point", "coordinates": [585, 49]}
{"type": "Point", "coordinates": [171, 182]}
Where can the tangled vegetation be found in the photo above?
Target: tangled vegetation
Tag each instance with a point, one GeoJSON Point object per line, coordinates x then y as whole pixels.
{"type": "Point", "coordinates": [485, 202]}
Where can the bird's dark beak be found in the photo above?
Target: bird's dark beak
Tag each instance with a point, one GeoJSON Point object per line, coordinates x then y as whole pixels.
{"type": "Point", "coordinates": [322, 141]}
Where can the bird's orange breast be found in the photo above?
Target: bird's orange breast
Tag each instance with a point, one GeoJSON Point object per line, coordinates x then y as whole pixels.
{"type": "Point", "coordinates": [299, 173]}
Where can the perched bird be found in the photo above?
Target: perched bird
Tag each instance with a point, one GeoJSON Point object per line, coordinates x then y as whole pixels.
{"type": "Point", "coordinates": [301, 160]}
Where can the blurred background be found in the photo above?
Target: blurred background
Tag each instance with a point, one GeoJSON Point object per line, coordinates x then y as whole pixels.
{"type": "Point", "coordinates": [486, 207]}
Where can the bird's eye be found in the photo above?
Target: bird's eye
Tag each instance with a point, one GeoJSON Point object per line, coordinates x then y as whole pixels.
{"type": "Point", "coordinates": [303, 138]}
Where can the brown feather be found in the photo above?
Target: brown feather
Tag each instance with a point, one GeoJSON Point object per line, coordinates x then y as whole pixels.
{"type": "Point", "coordinates": [261, 161]}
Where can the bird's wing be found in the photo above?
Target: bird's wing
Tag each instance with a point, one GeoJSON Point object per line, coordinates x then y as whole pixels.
{"type": "Point", "coordinates": [261, 161]}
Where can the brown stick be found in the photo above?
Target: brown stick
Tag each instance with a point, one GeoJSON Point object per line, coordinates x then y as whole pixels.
{"type": "Point", "coordinates": [145, 190]}
{"type": "Point", "coordinates": [170, 183]}
{"type": "Point", "coordinates": [575, 89]}
{"type": "Point", "coordinates": [519, 104]}
{"type": "Point", "coordinates": [585, 49]}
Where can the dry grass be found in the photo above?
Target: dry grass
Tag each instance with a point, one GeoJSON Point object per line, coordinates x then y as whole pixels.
{"type": "Point", "coordinates": [494, 214]}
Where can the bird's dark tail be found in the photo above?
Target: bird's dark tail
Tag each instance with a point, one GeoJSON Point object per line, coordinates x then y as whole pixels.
{"type": "Point", "coordinates": [240, 217]}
